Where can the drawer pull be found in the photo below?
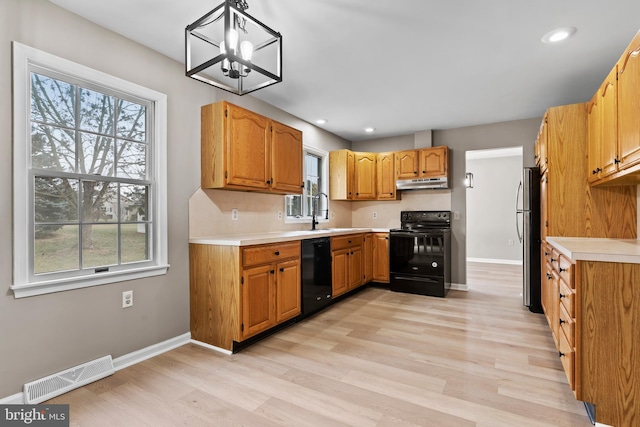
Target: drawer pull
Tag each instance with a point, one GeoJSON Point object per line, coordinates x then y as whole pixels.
{"type": "Point", "coordinates": [549, 276]}
{"type": "Point", "coordinates": [562, 269]}
{"type": "Point", "coordinates": [552, 260]}
{"type": "Point", "coordinates": [276, 253]}
{"type": "Point", "coordinates": [560, 354]}
{"type": "Point", "coordinates": [562, 296]}
{"type": "Point", "coordinates": [562, 321]}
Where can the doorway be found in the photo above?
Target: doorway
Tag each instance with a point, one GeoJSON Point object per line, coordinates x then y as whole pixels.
{"type": "Point", "coordinates": [491, 236]}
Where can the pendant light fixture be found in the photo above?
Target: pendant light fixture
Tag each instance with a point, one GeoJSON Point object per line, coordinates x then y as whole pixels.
{"type": "Point", "coordinates": [229, 49]}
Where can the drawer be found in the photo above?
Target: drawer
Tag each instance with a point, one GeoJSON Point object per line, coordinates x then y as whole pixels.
{"type": "Point", "coordinates": [567, 298]}
{"type": "Point", "coordinates": [554, 258]}
{"type": "Point", "coordinates": [350, 240]}
{"type": "Point", "coordinates": [567, 357]}
{"type": "Point", "coordinates": [265, 254]}
{"type": "Point", "coordinates": [546, 253]}
{"type": "Point", "coordinates": [567, 325]}
{"type": "Point", "coordinates": [565, 268]}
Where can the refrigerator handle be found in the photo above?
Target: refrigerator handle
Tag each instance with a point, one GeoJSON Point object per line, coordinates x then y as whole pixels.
{"type": "Point", "coordinates": [520, 235]}
{"type": "Point", "coordinates": [518, 212]}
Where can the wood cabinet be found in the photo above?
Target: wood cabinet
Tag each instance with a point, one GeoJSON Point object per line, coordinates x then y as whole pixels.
{"type": "Point", "coordinates": [385, 176]}
{"type": "Point", "coordinates": [242, 150]}
{"type": "Point", "coordinates": [424, 163]}
{"type": "Point", "coordinates": [602, 130]}
{"type": "Point", "coordinates": [597, 318]}
{"type": "Point", "coordinates": [361, 176]}
{"type": "Point", "coordinates": [347, 263]}
{"type": "Point", "coordinates": [239, 292]}
{"type": "Point", "coordinates": [365, 176]}
{"type": "Point", "coordinates": [542, 144]}
{"type": "Point", "coordinates": [367, 248]}
{"type": "Point", "coordinates": [569, 206]}
{"type": "Point", "coordinates": [341, 174]}
{"type": "Point", "coordinates": [381, 257]}
{"type": "Point", "coordinates": [629, 105]}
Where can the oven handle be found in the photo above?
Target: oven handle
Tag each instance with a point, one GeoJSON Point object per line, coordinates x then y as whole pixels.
{"type": "Point", "coordinates": [417, 279]}
{"type": "Point", "coordinates": [411, 234]}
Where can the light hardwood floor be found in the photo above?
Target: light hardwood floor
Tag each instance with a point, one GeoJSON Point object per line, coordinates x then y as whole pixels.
{"type": "Point", "coordinates": [379, 358]}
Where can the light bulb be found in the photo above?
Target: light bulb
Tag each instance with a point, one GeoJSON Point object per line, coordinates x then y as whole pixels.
{"type": "Point", "coordinates": [246, 48]}
{"type": "Point", "coordinates": [225, 62]}
{"type": "Point", "coordinates": [232, 40]}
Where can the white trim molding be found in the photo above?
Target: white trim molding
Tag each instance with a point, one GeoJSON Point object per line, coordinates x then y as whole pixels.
{"type": "Point", "coordinates": [211, 347]}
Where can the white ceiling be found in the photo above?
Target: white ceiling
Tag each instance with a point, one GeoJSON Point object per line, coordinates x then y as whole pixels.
{"type": "Point", "coordinates": [407, 65]}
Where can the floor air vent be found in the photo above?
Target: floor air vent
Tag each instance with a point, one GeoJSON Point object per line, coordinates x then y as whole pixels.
{"type": "Point", "coordinates": [62, 382]}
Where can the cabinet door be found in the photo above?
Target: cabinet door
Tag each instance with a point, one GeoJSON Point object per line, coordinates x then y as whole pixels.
{"type": "Point", "coordinates": [287, 290]}
{"type": "Point", "coordinates": [542, 143]}
{"type": "Point", "coordinates": [385, 177]}
{"type": "Point", "coordinates": [340, 279]}
{"type": "Point", "coordinates": [355, 267]}
{"type": "Point", "coordinates": [595, 137]}
{"type": "Point", "coordinates": [258, 293]}
{"type": "Point", "coordinates": [365, 176]}
{"type": "Point", "coordinates": [629, 105]}
{"type": "Point", "coordinates": [368, 257]}
{"type": "Point", "coordinates": [341, 171]}
{"type": "Point", "coordinates": [433, 162]}
{"type": "Point", "coordinates": [381, 257]}
{"type": "Point", "coordinates": [407, 164]}
{"type": "Point", "coordinates": [608, 111]}
{"type": "Point", "coordinates": [286, 159]}
{"type": "Point", "coordinates": [248, 156]}
{"type": "Point", "coordinates": [544, 206]}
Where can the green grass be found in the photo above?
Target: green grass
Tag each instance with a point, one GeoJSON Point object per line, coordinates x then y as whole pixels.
{"type": "Point", "coordinates": [59, 251]}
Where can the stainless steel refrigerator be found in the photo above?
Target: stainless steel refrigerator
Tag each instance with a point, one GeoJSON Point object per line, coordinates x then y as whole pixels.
{"type": "Point", "coordinates": [528, 228]}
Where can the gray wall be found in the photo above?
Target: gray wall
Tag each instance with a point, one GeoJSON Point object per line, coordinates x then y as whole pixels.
{"type": "Point", "coordinates": [44, 334]}
{"type": "Point", "coordinates": [491, 208]}
{"type": "Point", "coordinates": [496, 135]}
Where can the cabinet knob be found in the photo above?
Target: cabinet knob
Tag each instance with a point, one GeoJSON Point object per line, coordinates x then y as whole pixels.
{"type": "Point", "coordinates": [616, 160]}
{"type": "Point", "coordinates": [548, 276]}
{"type": "Point", "coordinates": [276, 253]}
{"type": "Point", "coordinates": [562, 269]}
{"type": "Point", "coordinates": [415, 172]}
{"type": "Point", "coordinates": [560, 354]}
{"type": "Point", "coordinates": [424, 171]}
{"type": "Point", "coordinates": [281, 269]}
{"type": "Point", "coordinates": [272, 272]}
{"type": "Point", "coordinates": [553, 260]}
{"type": "Point", "coordinates": [562, 321]}
{"type": "Point", "coordinates": [562, 296]}
{"type": "Point", "coordinates": [268, 182]}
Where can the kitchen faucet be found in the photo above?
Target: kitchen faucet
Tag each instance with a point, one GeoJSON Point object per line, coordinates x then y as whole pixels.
{"type": "Point", "coordinates": [314, 202]}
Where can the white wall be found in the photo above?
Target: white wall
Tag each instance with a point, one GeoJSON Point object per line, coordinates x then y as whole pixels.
{"type": "Point", "coordinates": [491, 205]}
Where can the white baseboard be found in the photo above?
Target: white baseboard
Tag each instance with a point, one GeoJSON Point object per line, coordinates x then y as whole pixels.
{"type": "Point", "coordinates": [211, 347]}
{"type": "Point", "coordinates": [602, 425]}
{"type": "Point", "coordinates": [151, 351]}
{"type": "Point", "coordinates": [459, 287]}
{"type": "Point", "coordinates": [123, 361]}
{"type": "Point", "coordinates": [496, 261]}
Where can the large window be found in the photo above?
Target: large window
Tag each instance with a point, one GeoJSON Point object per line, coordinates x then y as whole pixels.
{"type": "Point", "coordinates": [300, 207]}
{"type": "Point", "coordinates": [89, 162]}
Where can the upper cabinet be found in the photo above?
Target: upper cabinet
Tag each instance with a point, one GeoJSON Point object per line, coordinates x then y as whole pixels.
{"type": "Point", "coordinates": [386, 178]}
{"type": "Point", "coordinates": [614, 131]}
{"type": "Point", "coordinates": [361, 176]}
{"type": "Point", "coordinates": [424, 163]}
{"type": "Point", "coordinates": [242, 150]}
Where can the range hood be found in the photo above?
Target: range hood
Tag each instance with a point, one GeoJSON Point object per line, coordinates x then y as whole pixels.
{"type": "Point", "coordinates": [440, 183]}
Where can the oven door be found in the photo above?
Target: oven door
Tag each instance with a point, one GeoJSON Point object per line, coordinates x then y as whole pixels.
{"type": "Point", "coordinates": [419, 254]}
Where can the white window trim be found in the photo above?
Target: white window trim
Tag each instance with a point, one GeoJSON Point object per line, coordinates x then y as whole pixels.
{"type": "Point", "coordinates": [23, 56]}
{"type": "Point", "coordinates": [325, 185]}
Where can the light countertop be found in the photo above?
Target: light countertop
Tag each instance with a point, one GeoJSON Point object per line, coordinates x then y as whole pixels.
{"type": "Point", "coordinates": [598, 249]}
{"type": "Point", "coordinates": [278, 236]}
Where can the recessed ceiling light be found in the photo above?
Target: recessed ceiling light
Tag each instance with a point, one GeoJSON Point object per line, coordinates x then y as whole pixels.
{"type": "Point", "coordinates": [321, 121]}
{"type": "Point", "coordinates": [558, 35]}
{"type": "Point", "coordinates": [369, 130]}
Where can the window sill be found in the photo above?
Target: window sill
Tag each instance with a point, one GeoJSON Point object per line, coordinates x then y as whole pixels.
{"type": "Point", "coordinates": [304, 220]}
{"type": "Point", "coordinates": [51, 286]}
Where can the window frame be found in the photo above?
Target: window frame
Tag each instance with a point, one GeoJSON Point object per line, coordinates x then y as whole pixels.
{"type": "Point", "coordinates": [324, 157]}
{"type": "Point", "coordinates": [25, 283]}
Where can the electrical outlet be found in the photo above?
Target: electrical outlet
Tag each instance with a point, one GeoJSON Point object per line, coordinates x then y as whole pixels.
{"type": "Point", "coordinates": [510, 242]}
{"type": "Point", "coordinates": [333, 215]}
{"type": "Point", "coordinates": [456, 215]}
{"type": "Point", "coordinates": [375, 215]}
{"type": "Point", "coordinates": [280, 215]}
{"type": "Point", "coordinates": [127, 299]}
{"type": "Point", "coordinates": [234, 214]}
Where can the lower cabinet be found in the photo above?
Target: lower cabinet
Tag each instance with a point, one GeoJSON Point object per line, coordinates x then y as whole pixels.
{"type": "Point", "coordinates": [593, 309]}
{"type": "Point", "coordinates": [238, 292]}
{"type": "Point", "coordinates": [347, 263]}
{"type": "Point", "coordinates": [380, 262]}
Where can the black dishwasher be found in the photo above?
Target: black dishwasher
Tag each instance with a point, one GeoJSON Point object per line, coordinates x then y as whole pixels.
{"type": "Point", "coordinates": [316, 275]}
